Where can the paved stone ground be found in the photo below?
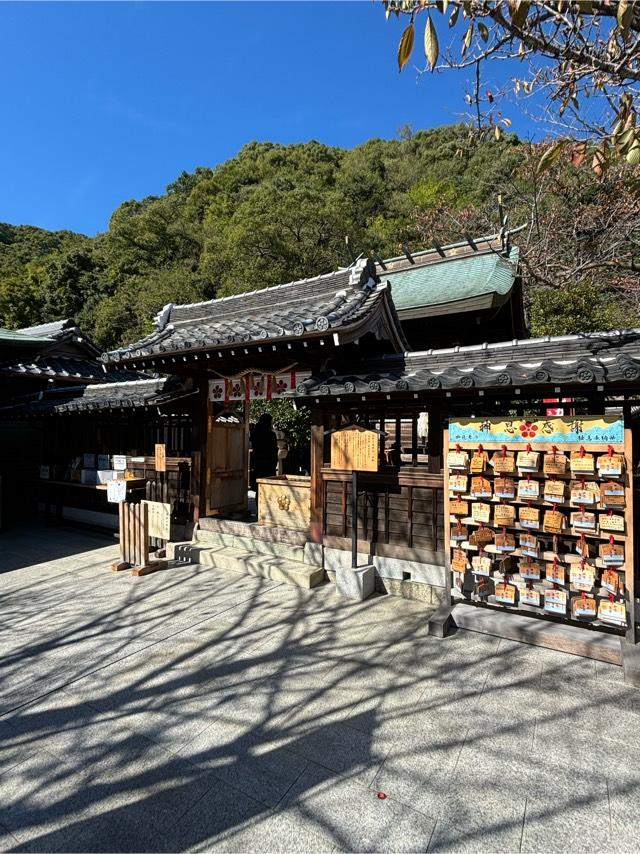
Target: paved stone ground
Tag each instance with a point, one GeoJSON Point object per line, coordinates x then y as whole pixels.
{"type": "Point", "coordinates": [194, 709]}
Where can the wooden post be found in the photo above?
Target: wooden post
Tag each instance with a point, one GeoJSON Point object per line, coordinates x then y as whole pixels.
{"type": "Point", "coordinates": [200, 431]}
{"type": "Point", "coordinates": [354, 519]}
{"type": "Point", "coordinates": [434, 439]}
{"type": "Point", "coordinates": [317, 458]}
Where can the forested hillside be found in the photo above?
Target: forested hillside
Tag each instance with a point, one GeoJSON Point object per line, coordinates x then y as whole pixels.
{"type": "Point", "coordinates": [275, 213]}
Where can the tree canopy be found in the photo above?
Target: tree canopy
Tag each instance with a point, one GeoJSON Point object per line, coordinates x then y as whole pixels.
{"type": "Point", "coordinates": [275, 213]}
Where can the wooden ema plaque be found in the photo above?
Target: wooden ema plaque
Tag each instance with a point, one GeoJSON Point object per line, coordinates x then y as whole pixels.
{"type": "Point", "coordinates": [458, 507]}
{"type": "Point", "coordinates": [480, 487]}
{"type": "Point", "coordinates": [505, 542]}
{"type": "Point", "coordinates": [554, 491]}
{"type": "Point", "coordinates": [481, 565]}
{"type": "Point", "coordinates": [481, 512]}
{"type": "Point", "coordinates": [481, 537]}
{"type": "Point", "coordinates": [554, 573]}
{"type": "Point", "coordinates": [611, 522]}
{"type": "Point", "coordinates": [554, 464]}
{"type": "Point", "coordinates": [355, 448]}
{"type": "Point", "coordinates": [612, 554]}
{"type": "Point", "coordinates": [459, 560]}
{"type": "Point", "coordinates": [528, 461]}
{"type": "Point", "coordinates": [582, 576]}
{"type": "Point", "coordinates": [478, 462]}
{"type": "Point", "coordinates": [458, 460]}
{"type": "Point", "coordinates": [529, 596]}
{"type": "Point", "coordinates": [612, 612]}
{"type": "Point", "coordinates": [553, 522]}
{"type": "Point", "coordinates": [529, 517]}
{"type": "Point", "coordinates": [458, 533]}
{"type": "Point", "coordinates": [504, 487]}
{"type": "Point", "coordinates": [610, 465]}
{"type": "Point", "coordinates": [458, 483]}
{"type": "Point", "coordinates": [504, 514]}
{"type": "Point", "coordinates": [610, 581]}
{"type": "Point", "coordinates": [528, 490]}
{"type": "Point", "coordinates": [555, 601]}
{"type": "Point", "coordinates": [582, 463]}
{"type": "Point", "coordinates": [503, 463]}
{"type": "Point", "coordinates": [584, 521]}
{"type": "Point", "coordinates": [530, 570]}
{"type": "Point", "coordinates": [506, 593]}
{"type": "Point", "coordinates": [529, 545]}
{"type": "Point", "coordinates": [583, 607]}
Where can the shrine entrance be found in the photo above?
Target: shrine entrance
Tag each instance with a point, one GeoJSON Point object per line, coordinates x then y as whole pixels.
{"type": "Point", "coordinates": [227, 470]}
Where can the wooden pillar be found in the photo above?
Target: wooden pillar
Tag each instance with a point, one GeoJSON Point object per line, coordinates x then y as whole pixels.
{"type": "Point", "coordinates": [435, 439]}
{"type": "Point", "coordinates": [318, 420]}
{"type": "Point", "coordinates": [200, 430]}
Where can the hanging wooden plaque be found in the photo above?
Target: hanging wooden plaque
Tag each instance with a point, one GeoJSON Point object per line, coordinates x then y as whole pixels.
{"type": "Point", "coordinates": [554, 464]}
{"type": "Point", "coordinates": [484, 588]}
{"type": "Point", "coordinates": [582, 463]}
{"type": "Point", "coordinates": [458, 507]}
{"type": "Point", "coordinates": [582, 576]}
{"type": "Point", "coordinates": [553, 522]}
{"type": "Point", "coordinates": [584, 521]}
{"type": "Point", "coordinates": [529, 517]}
{"type": "Point", "coordinates": [458, 483]}
{"type": "Point", "coordinates": [478, 462]}
{"type": "Point", "coordinates": [355, 448]}
{"type": "Point", "coordinates": [504, 487]}
{"type": "Point", "coordinates": [530, 570]}
{"type": "Point", "coordinates": [528, 461]}
{"type": "Point", "coordinates": [481, 512]}
{"type": "Point", "coordinates": [503, 463]}
{"type": "Point", "coordinates": [481, 565]}
{"type": "Point", "coordinates": [458, 460]}
{"type": "Point", "coordinates": [458, 534]}
{"type": "Point", "coordinates": [611, 522]}
{"type": "Point", "coordinates": [612, 612]}
{"type": "Point", "coordinates": [554, 573]}
{"type": "Point", "coordinates": [529, 596]}
{"type": "Point", "coordinates": [528, 490]}
{"type": "Point", "coordinates": [480, 487]}
{"type": "Point", "coordinates": [504, 514]}
{"type": "Point", "coordinates": [481, 537]}
{"type": "Point", "coordinates": [610, 581]}
{"type": "Point", "coordinates": [459, 560]}
{"type": "Point", "coordinates": [583, 607]}
{"type": "Point", "coordinates": [612, 554]}
{"type": "Point", "coordinates": [610, 465]}
{"type": "Point", "coordinates": [506, 593]}
{"type": "Point", "coordinates": [555, 601]}
{"type": "Point", "coordinates": [554, 491]}
{"type": "Point", "coordinates": [529, 545]}
{"type": "Point", "coordinates": [505, 542]}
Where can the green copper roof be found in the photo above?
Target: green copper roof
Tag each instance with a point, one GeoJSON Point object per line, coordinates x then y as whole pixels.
{"type": "Point", "coordinates": [12, 336]}
{"type": "Point", "coordinates": [452, 280]}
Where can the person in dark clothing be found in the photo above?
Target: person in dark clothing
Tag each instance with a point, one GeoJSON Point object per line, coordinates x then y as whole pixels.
{"type": "Point", "coordinates": [264, 451]}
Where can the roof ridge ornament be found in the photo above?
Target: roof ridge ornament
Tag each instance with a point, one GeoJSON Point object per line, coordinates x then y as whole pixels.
{"type": "Point", "coordinates": [163, 316]}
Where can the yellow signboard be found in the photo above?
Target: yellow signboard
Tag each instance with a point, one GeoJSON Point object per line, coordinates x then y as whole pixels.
{"type": "Point", "coordinates": [355, 448]}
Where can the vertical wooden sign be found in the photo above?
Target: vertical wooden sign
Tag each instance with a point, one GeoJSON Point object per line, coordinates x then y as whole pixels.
{"type": "Point", "coordinates": [161, 457]}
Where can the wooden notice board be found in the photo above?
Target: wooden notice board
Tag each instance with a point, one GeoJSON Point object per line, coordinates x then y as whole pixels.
{"type": "Point", "coordinates": [161, 457]}
{"type": "Point", "coordinates": [355, 448]}
{"type": "Point", "coordinates": [159, 519]}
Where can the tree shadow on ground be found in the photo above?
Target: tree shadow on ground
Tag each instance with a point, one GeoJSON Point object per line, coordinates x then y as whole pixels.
{"type": "Point", "coordinates": [200, 709]}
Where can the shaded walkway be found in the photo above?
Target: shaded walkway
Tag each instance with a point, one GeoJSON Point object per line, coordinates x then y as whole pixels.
{"type": "Point", "coordinates": [201, 709]}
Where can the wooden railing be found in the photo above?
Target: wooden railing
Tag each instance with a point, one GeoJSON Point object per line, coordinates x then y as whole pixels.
{"type": "Point", "coordinates": [398, 512]}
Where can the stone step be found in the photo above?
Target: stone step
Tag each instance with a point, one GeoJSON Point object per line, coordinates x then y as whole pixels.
{"type": "Point", "coordinates": [248, 563]}
{"type": "Point", "coordinates": [250, 544]}
{"type": "Point", "coordinates": [572, 639]}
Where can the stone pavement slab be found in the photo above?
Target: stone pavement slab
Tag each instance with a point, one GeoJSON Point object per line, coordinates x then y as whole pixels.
{"type": "Point", "coordinates": [197, 709]}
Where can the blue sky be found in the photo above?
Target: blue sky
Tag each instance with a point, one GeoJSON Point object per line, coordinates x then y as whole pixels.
{"type": "Point", "coordinates": [105, 102]}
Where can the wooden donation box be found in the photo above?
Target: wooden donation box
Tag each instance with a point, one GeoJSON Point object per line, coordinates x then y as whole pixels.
{"type": "Point", "coordinates": [355, 449]}
{"type": "Point", "coordinates": [284, 501]}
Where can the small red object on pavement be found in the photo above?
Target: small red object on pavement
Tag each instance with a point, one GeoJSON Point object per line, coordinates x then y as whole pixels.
{"type": "Point", "coordinates": [382, 796]}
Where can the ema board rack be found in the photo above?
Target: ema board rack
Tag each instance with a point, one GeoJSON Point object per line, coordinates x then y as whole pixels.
{"type": "Point", "coordinates": [539, 518]}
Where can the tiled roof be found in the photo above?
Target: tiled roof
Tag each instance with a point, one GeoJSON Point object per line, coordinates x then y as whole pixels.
{"type": "Point", "coordinates": [49, 330]}
{"type": "Point", "coordinates": [99, 396]}
{"type": "Point", "coordinates": [590, 358]}
{"type": "Point", "coordinates": [341, 302]}
{"type": "Point", "coordinates": [484, 273]}
{"type": "Point", "coordinates": [15, 337]}
{"type": "Point", "coordinates": [63, 368]}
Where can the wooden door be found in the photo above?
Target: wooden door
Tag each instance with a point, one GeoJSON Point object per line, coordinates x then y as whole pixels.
{"type": "Point", "coordinates": [227, 463]}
